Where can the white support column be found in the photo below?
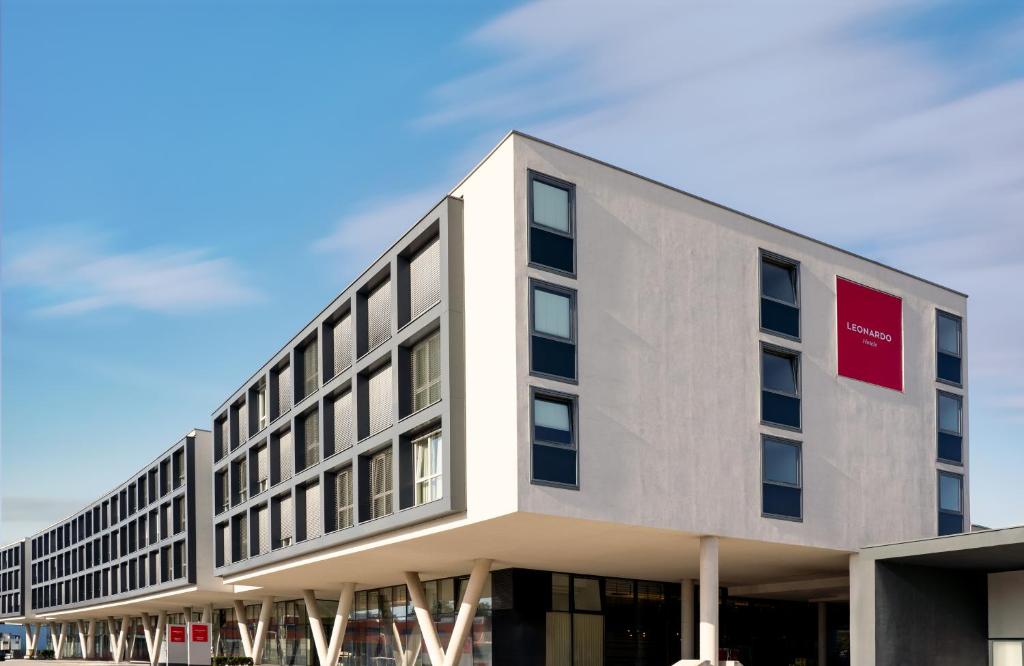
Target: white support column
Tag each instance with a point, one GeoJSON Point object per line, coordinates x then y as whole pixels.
{"type": "Point", "coordinates": [80, 629]}
{"type": "Point", "coordinates": [463, 621]}
{"type": "Point", "coordinates": [57, 638]}
{"type": "Point", "coordinates": [31, 636]}
{"type": "Point", "coordinates": [328, 650]}
{"type": "Point", "coordinates": [243, 628]}
{"type": "Point", "coordinates": [862, 610]}
{"type": "Point", "coordinates": [208, 613]}
{"type": "Point", "coordinates": [154, 635]}
{"type": "Point", "coordinates": [118, 640]}
{"type": "Point", "coordinates": [709, 600]}
{"type": "Point", "coordinates": [112, 637]}
{"type": "Point", "coordinates": [686, 616]}
{"type": "Point", "coordinates": [822, 633]}
{"type": "Point", "coordinates": [260, 640]}
{"type": "Point", "coordinates": [89, 651]}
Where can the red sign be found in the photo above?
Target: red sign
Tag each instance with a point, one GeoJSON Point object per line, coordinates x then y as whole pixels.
{"type": "Point", "coordinates": [176, 633]}
{"type": "Point", "coordinates": [200, 633]}
{"type": "Point", "coordinates": [870, 335]}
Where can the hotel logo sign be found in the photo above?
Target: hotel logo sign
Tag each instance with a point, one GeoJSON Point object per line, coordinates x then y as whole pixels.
{"type": "Point", "coordinates": [870, 334]}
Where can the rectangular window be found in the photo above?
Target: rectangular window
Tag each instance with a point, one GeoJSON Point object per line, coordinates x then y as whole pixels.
{"type": "Point", "coordinates": [427, 461]}
{"type": "Point", "coordinates": [223, 492]}
{"type": "Point", "coordinates": [179, 514]}
{"type": "Point", "coordinates": [312, 500]}
{"type": "Point", "coordinates": [426, 372]}
{"type": "Point", "coordinates": [285, 521]}
{"type": "Point", "coordinates": [780, 387]}
{"type": "Point", "coordinates": [554, 439]}
{"type": "Point", "coordinates": [341, 342]}
{"type": "Point", "coordinates": [310, 368]}
{"type": "Point", "coordinates": [948, 343]}
{"type": "Point", "coordinates": [345, 502]}
{"type": "Point", "coordinates": [378, 316]}
{"type": "Point", "coordinates": [780, 296]}
{"type": "Point", "coordinates": [381, 484]}
{"type": "Point", "coordinates": [241, 537]}
{"type": "Point", "coordinates": [311, 438]}
{"type": "Point", "coordinates": [241, 416]}
{"type": "Point", "coordinates": [380, 403]}
{"type": "Point", "coordinates": [342, 422]}
{"type": "Point", "coordinates": [240, 480]}
{"type": "Point", "coordinates": [179, 468]}
{"type": "Point", "coordinates": [552, 223]}
{"type": "Point", "coordinates": [263, 525]}
{"type": "Point", "coordinates": [951, 505]}
{"type": "Point", "coordinates": [425, 279]}
{"type": "Point", "coordinates": [285, 456]}
{"type": "Point", "coordinates": [261, 405]}
{"type": "Point", "coordinates": [283, 379]}
{"type": "Point", "coordinates": [553, 331]}
{"type": "Point", "coordinates": [262, 469]}
{"type": "Point", "coordinates": [950, 427]}
{"type": "Point", "coordinates": [781, 478]}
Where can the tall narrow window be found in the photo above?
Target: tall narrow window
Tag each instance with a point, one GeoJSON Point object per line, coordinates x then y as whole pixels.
{"type": "Point", "coordinates": [285, 521]}
{"type": "Point", "coordinates": [242, 536]}
{"type": "Point", "coordinates": [240, 480]}
{"type": "Point", "coordinates": [343, 490]}
{"type": "Point", "coordinates": [241, 414]}
{"type": "Point", "coordinates": [427, 460]}
{"type": "Point", "coordinates": [380, 400]}
{"type": "Point", "coordinates": [179, 468]}
{"type": "Point", "coordinates": [261, 405]}
{"type": "Point", "coordinates": [425, 278]}
{"type": "Point", "coordinates": [342, 421]}
{"type": "Point", "coordinates": [554, 439]}
{"type": "Point", "coordinates": [263, 527]}
{"type": "Point", "coordinates": [780, 387]}
{"type": "Point", "coordinates": [262, 469]}
{"type": "Point", "coordinates": [285, 456]}
{"type": "Point", "coordinates": [948, 332]}
{"type": "Point", "coordinates": [780, 296]}
{"type": "Point", "coordinates": [310, 368]}
{"type": "Point", "coordinates": [179, 514]}
{"type": "Point", "coordinates": [951, 504]}
{"type": "Point", "coordinates": [311, 438]}
{"type": "Point", "coordinates": [950, 427]}
{"type": "Point", "coordinates": [378, 316]}
{"type": "Point", "coordinates": [426, 372]}
{"type": "Point", "coordinates": [312, 500]}
{"type": "Point", "coordinates": [341, 342]}
{"type": "Point", "coordinates": [223, 491]}
{"type": "Point", "coordinates": [381, 484]}
{"type": "Point", "coordinates": [781, 479]}
{"type": "Point", "coordinates": [553, 331]}
{"type": "Point", "coordinates": [552, 223]}
{"type": "Point", "coordinates": [283, 379]}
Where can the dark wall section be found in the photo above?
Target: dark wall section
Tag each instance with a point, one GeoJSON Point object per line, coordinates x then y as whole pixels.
{"type": "Point", "coordinates": [930, 616]}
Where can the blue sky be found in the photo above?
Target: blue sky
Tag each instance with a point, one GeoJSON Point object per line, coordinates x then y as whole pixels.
{"type": "Point", "coordinates": [185, 184]}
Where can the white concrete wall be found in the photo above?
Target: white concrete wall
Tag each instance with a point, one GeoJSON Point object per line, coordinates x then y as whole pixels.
{"type": "Point", "coordinates": [489, 210]}
{"type": "Point", "coordinates": [1006, 605]}
{"type": "Point", "coordinates": [669, 387]}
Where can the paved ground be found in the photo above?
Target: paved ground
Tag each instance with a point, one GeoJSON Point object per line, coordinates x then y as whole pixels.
{"type": "Point", "coordinates": [53, 662]}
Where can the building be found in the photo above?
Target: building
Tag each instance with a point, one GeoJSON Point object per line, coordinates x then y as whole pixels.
{"type": "Point", "coordinates": [572, 417]}
{"type": "Point", "coordinates": [12, 582]}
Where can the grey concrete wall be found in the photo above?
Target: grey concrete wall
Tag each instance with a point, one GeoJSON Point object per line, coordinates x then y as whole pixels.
{"type": "Point", "coordinates": [929, 616]}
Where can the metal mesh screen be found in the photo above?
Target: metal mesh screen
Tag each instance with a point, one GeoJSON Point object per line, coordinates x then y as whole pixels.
{"type": "Point", "coordinates": [311, 438]}
{"type": "Point", "coordinates": [344, 500]}
{"type": "Point", "coordinates": [425, 278]}
{"type": "Point", "coordinates": [284, 389]}
{"type": "Point", "coordinates": [262, 468]}
{"type": "Point", "coordinates": [426, 372]}
{"type": "Point", "coordinates": [342, 339]}
{"type": "Point", "coordinates": [343, 421]}
{"type": "Point", "coordinates": [242, 418]}
{"type": "Point", "coordinates": [380, 484]}
{"type": "Point", "coordinates": [378, 315]}
{"type": "Point", "coordinates": [286, 455]}
{"type": "Point", "coordinates": [263, 526]}
{"type": "Point", "coordinates": [313, 529]}
{"type": "Point", "coordinates": [380, 399]}
{"type": "Point", "coordinates": [287, 517]}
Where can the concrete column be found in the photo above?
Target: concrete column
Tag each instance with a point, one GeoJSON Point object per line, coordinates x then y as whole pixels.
{"type": "Point", "coordinates": [208, 613]}
{"type": "Point", "coordinates": [243, 628]}
{"type": "Point", "coordinates": [467, 611]}
{"type": "Point", "coordinates": [31, 636]}
{"type": "Point", "coordinates": [259, 641]}
{"type": "Point", "coordinates": [89, 651]}
{"type": "Point", "coordinates": [862, 611]}
{"type": "Point", "coordinates": [686, 617]}
{"type": "Point", "coordinates": [709, 600]}
{"type": "Point", "coordinates": [822, 633]}
{"type": "Point", "coordinates": [426, 622]}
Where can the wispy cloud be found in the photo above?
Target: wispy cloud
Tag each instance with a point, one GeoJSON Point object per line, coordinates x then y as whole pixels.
{"type": "Point", "coordinates": [70, 271]}
{"type": "Point", "coordinates": [377, 224]}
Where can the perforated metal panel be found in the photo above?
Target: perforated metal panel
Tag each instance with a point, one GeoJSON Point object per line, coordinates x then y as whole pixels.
{"type": "Point", "coordinates": [263, 525]}
{"type": "Point", "coordinates": [225, 436]}
{"type": "Point", "coordinates": [342, 340]}
{"type": "Point", "coordinates": [426, 372]}
{"type": "Point", "coordinates": [286, 455]}
{"type": "Point", "coordinates": [284, 389]}
{"type": "Point", "coordinates": [311, 438]}
{"type": "Point", "coordinates": [313, 529]}
{"type": "Point", "coordinates": [262, 468]}
{"type": "Point", "coordinates": [380, 400]}
{"type": "Point", "coordinates": [343, 421]}
{"type": "Point", "coordinates": [425, 278]}
{"type": "Point", "coordinates": [225, 546]}
{"type": "Point", "coordinates": [344, 499]}
{"type": "Point", "coordinates": [380, 484]}
{"type": "Point", "coordinates": [378, 315]}
{"type": "Point", "coordinates": [287, 519]}
{"type": "Point", "coordinates": [242, 416]}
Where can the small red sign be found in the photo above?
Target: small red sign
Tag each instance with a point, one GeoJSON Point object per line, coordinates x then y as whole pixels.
{"type": "Point", "coordinates": [870, 335]}
{"type": "Point", "coordinates": [176, 633]}
{"type": "Point", "coordinates": [200, 633]}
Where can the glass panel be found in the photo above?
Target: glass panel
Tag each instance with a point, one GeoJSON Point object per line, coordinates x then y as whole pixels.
{"type": "Point", "coordinates": [552, 313]}
{"type": "Point", "coordinates": [557, 643]}
{"type": "Point", "coordinates": [781, 462]}
{"type": "Point", "coordinates": [781, 500]}
{"type": "Point", "coordinates": [1007, 653]}
{"type": "Point", "coordinates": [780, 317]}
{"type": "Point", "coordinates": [586, 594]}
{"type": "Point", "coordinates": [949, 334]}
{"type": "Point", "coordinates": [550, 206]}
{"type": "Point", "coordinates": [551, 249]}
{"type": "Point", "coordinates": [950, 447]}
{"type": "Point", "coordinates": [553, 357]}
{"type": "Point", "coordinates": [778, 282]}
{"type": "Point", "coordinates": [949, 413]}
{"type": "Point", "coordinates": [780, 409]}
{"type": "Point", "coordinates": [779, 372]}
{"type": "Point", "coordinates": [560, 592]}
{"type": "Point", "coordinates": [949, 493]}
{"type": "Point", "coordinates": [554, 464]}
{"type": "Point", "coordinates": [949, 368]}
{"type": "Point", "coordinates": [950, 523]}
{"type": "Point", "coordinates": [587, 640]}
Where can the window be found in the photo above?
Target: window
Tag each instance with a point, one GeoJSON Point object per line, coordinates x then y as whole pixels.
{"type": "Point", "coordinates": [426, 372]}
{"type": "Point", "coordinates": [179, 514]}
{"type": "Point", "coordinates": [262, 468]}
{"type": "Point", "coordinates": [241, 537]}
{"type": "Point", "coordinates": [341, 422]}
{"type": "Point", "coordinates": [241, 416]}
{"type": "Point", "coordinates": [179, 468]}
{"type": "Point", "coordinates": [263, 527]}
{"type": "Point", "coordinates": [311, 438]}
{"type": "Point", "coordinates": [948, 345]}
{"type": "Point", "coordinates": [554, 439]}
{"type": "Point", "coordinates": [781, 482]}
{"type": "Point", "coordinates": [240, 480]}
{"type": "Point", "coordinates": [552, 223]}
{"type": "Point", "coordinates": [310, 368]}
{"type": "Point", "coordinates": [380, 401]}
{"type": "Point", "coordinates": [378, 316]}
{"type": "Point", "coordinates": [950, 427]}
{"type": "Point", "coordinates": [427, 461]}
{"type": "Point", "coordinates": [951, 507]}
{"type": "Point", "coordinates": [261, 405]}
{"type": "Point", "coordinates": [380, 484]}
{"type": "Point", "coordinates": [780, 387]}
{"type": "Point", "coordinates": [343, 490]}
{"type": "Point", "coordinates": [553, 331]}
{"type": "Point", "coordinates": [780, 296]}
{"type": "Point", "coordinates": [425, 278]}
{"type": "Point", "coordinates": [285, 521]}
{"type": "Point", "coordinates": [222, 491]}
{"type": "Point", "coordinates": [312, 500]}
{"type": "Point", "coordinates": [282, 377]}
{"type": "Point", "coordinates": [341, 344]}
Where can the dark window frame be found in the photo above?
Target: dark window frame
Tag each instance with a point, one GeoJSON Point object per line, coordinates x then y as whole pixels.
{"type": "Point", "coordinates": [959, 355]}
{"type": "Point", "coordinates": [573, 402]}
{"type": "Point", "coordinates": [799, 446]}
{"type": "Point", "coordinates": [559, 290]}
{"type": "Point", "coordinates": [767, 347]}
{"type": "Point", "coordinates": [785, 262]}
{"type": "Point", "coordinates": [938, 501]}
{"type": "Point", "coordinates": [939, 431]}
{"type": "Point", "coordinates": [532, 176]}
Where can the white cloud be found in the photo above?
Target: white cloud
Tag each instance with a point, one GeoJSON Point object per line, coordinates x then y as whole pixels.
{"type": "Point", "coordinates": [71, 272]}
{"type": "Point", "coordinates": [378, 224]}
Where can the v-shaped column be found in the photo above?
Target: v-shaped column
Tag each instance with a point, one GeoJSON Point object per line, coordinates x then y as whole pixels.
{"type": "Point", "coordinates": [329, 651]}
{"type": "Point", "coordinates": [154, 635]}
{"type": "Point", "coordinates": [463, 621]}
{"type": "Point", "coordinates": [117, 640]}
{"type": "Point", "coordinates": [32, 632]}
{"type": "Point", "coordinates": [57, 638]}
